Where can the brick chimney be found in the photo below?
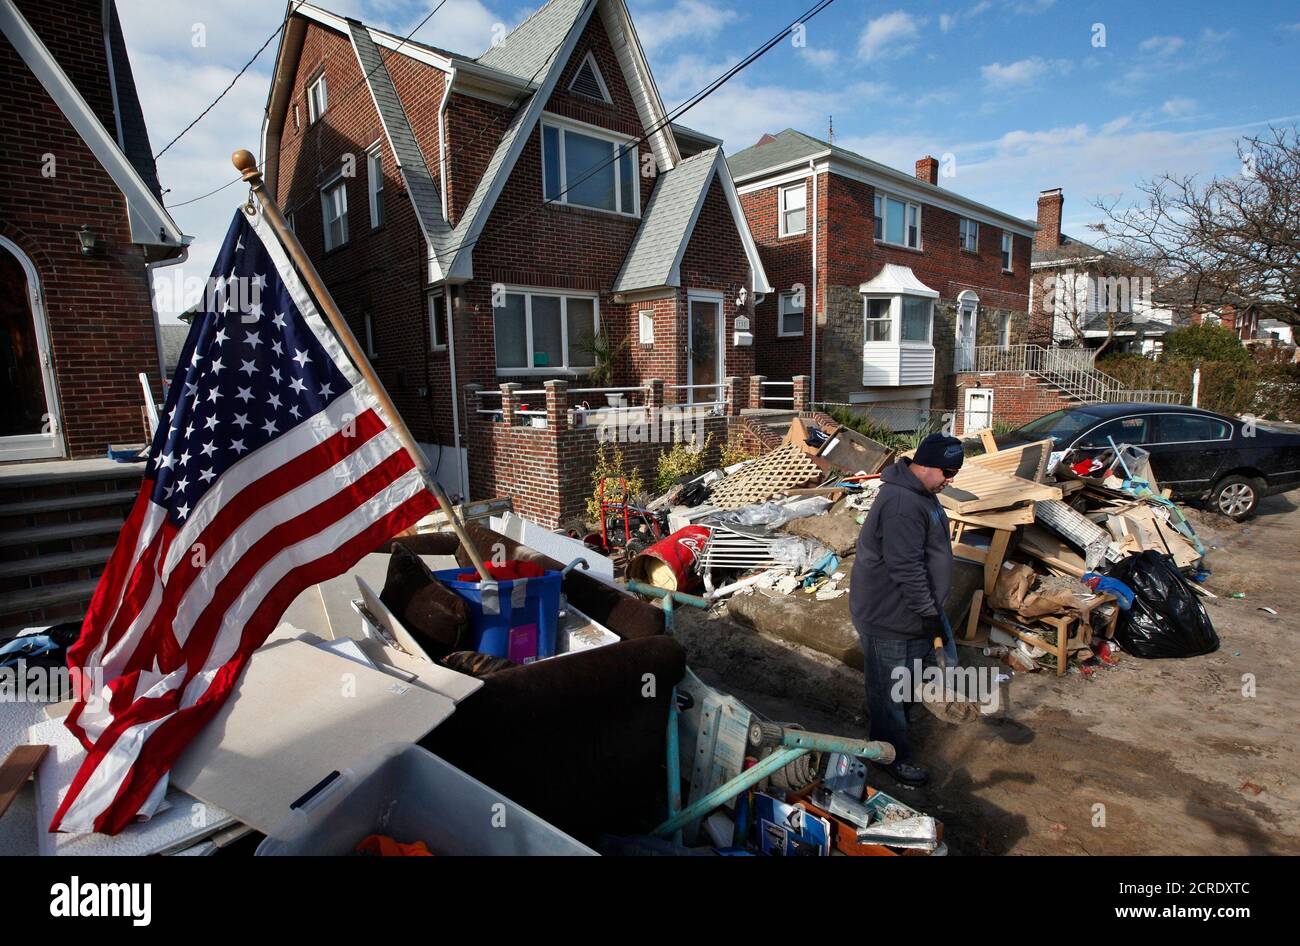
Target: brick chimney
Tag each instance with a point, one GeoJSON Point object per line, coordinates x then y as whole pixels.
{"type": "Point", "coordinates": [927, 169]}
{"type": "Point", "coordinates": [1048, 236]}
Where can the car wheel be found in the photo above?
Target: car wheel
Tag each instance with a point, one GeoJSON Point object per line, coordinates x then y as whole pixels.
{"type": "Point", "coordinates": [1235, 497]}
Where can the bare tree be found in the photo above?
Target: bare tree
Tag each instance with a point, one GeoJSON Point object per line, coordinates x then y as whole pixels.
{"type": "Point", "coordinates": [1227, 241]}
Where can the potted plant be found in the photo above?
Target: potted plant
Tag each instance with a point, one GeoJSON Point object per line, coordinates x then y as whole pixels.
{"type": "Point", "coordinates": [604, 353]}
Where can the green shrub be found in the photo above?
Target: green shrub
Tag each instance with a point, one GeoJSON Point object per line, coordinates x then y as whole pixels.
{"type": "Point", "coordinates": [609, 465]}
{"type": "Point", "coordinates": [682, 459]}
{"type": "Point", "coordinates": [1206, 342]}
{"type": "Point", "coordinates": [734, 451]}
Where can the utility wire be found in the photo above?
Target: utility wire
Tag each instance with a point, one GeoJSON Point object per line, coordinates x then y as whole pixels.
{"type": "Point", "coordinates": [261, 49]}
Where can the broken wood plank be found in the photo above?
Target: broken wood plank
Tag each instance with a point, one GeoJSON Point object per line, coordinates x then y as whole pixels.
{"type": "Point", "coordinates": [1038, 543]}
{"type": "Point", "coordinates": [978, 489]}
{"type": "Point", "coordinates": [1028, 460]}
{"type": "Point", "coordinates": [16, 769]}
{"type": "Point", "coordinates": [997, 519]}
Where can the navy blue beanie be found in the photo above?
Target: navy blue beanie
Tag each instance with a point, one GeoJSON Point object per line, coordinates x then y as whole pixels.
{"type": "Point", "coordinates": [940, 451]}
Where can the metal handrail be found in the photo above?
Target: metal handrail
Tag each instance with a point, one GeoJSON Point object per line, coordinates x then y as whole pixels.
{"type": "Point", "coordinates": [1070, 369]}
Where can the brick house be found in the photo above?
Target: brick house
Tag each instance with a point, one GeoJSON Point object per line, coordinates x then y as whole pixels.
{"type": "Point", "coordinates": [81, 224]}
{"type": "Point", "coordinates": [484, 220]}
{"type": "Point", "coordinates": [905, 278]}
{"type": "Point", "coordinates": [1083, 296]}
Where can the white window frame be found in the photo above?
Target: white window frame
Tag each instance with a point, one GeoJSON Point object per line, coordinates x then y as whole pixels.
{"type": "Point", "coordinates": [317, 105]}
{"type": "Point", "coordinates": [371, 353]}
{"type": "Point", "coordinates": [1008, 252]}
{"type": "Point", "coordinates": [564, 296]}
{"type": "Point", "coordinates": [297, 118]}
{"type": "Point", "coordinates": [782, 311]}
{"type": "Point", "coordinates": [375, 185]}
{"type": "Point", "coordinates": [880, 211]}
{"type": "Point", "coordinates": [895, 320]}
{"type": "Point", "coordinates": [434, 321]}
{"type": "Point", "coordinates": [338, 182]}
{"type": "Point", "coordinates": [968, 234]}
{"type": "Point", "coordinates": [290, 217]}
{"type": "Point", "coordinates": [1004, 330]}
{"type": "Point", "coordinates": [646, 326]}
{"type": "Point", "coordinates": [590, 59]}
{"type": "Point", "coordinates": [783, 207]}
{"type": "Point", "coordinates": [617, 142]}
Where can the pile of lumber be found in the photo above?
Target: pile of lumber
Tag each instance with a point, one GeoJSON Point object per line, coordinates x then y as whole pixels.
{"type": "Point", "coordinates": [1008, 514]}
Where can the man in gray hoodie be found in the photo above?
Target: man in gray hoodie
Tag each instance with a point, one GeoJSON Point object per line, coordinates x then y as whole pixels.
{"type": "Point", "coordinates": [902, 572]}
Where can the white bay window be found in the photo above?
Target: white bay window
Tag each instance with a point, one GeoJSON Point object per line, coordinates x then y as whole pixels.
{"type": "Point", "coordinates": [539, 332]}
{"type": "Point", "coordinates": [898, 329]}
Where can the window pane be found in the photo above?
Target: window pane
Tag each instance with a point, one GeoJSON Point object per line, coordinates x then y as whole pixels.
{"type": "Point", "coordinates": [581, 314]}
{"type": "Point", "coordinates": [1177, 428]}
{"type": "Point", "coordinates": [792, 323]}
{"type": "Point", "coordinates": [916, 320]}
{"type": "Point", "coordinates": [894, 210]}
{"type": "Point", "coordinates": [627, 181]}
{"type": "Point", "coordinates": [913, 227]}
{"type": "Point", "coordinates": [794, 221]}
{"type": "Point", "coordinates": [589, 170]}
{"type": "Point", "coordinates": [548, 350]}
{"type": "Point", "coordinates": [437, 320]}
{"type": "Point", "coordinates": [511, 339]}
{"type": "Point", "coordinates": [879, 328]}
{"type": "Point", "coordinates": [1131, 430]}
{"type": "Point", "coordinates": [551, 162]}
{"type": "Point", "coordinates": [795, 197]}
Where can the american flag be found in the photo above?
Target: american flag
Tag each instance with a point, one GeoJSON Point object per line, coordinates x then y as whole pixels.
{"type": "Point", "coordinates": [273, 469]}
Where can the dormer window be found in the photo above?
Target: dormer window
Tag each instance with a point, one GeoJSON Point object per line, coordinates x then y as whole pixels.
{"type": "Point", "coordinates": [589, 82]}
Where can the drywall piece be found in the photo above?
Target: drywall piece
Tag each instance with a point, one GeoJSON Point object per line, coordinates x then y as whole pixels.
{"type": "Point", "coordinates": [553, 545]}
{"type": "Point", "coordinates": [297, 714]}
{"type": "Point", "coordinates": [175, 826]}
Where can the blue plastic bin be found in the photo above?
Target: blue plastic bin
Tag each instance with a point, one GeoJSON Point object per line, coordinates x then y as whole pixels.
{"type": "Point", "coordinates": [514, 619]}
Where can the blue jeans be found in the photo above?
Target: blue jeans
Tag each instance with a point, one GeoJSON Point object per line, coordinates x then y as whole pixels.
{"type": "Point", "coordinates": [881, 658]}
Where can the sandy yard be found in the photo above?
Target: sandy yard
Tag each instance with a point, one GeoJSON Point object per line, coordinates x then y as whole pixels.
{"type": "Point", "coordinates": [1183, 761]}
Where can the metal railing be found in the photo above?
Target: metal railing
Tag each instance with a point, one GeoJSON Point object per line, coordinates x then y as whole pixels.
{"type": "Point", "coordinates": [719, 404]}
{"type": "Point", "coordinates": [779, 384]}
{"type": "Point", "coordinates": [1071, 370]}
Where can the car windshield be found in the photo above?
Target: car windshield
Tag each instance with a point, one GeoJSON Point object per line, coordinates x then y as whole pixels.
{"type": "Point", "coordinates": [1059, 425]}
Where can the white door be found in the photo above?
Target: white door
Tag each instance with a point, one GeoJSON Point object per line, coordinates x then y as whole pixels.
{"type": "Point", "coordinates": [29, 423]}
{"type": "Point", "coordinates": [979, 410]}
{"type": "Point", "coordinates": [965, 357]}
{"type": "Point", "coordinates": [704, 349]}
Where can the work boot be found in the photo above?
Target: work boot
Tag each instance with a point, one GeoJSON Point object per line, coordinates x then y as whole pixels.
{"type": "Point", "coordinates": [908, 774]}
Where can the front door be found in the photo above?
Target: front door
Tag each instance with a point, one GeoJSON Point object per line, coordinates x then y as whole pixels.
{"type": "Point", "coordinates": [29, 423]}
{"type": "Point", "coordinates": [965, 360]}
{"type": "Point", "coordinates": [704, 350]}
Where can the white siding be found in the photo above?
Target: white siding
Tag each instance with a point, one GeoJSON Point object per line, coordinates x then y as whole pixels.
{"type": "Point", "coordinates": [895, 365]}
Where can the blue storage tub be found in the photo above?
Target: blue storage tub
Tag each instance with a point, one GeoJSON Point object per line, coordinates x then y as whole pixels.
{"type": "Point", "coordinates": [515, 619]}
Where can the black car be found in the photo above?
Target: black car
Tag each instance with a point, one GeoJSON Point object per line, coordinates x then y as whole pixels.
{"type": "Point", "coordinates": [1199, 455]}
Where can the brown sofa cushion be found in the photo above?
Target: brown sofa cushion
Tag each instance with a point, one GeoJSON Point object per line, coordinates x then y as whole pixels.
{"type": "Point", "coordinates": [435, 615]}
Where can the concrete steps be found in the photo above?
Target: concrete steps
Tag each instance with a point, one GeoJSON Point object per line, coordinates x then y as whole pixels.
{"type": "Point", "coordinates": [58, 525]}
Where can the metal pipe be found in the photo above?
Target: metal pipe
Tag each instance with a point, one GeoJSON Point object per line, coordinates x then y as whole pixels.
{"type": "Point", "coordinates": [730, 789]}
{"type": "Point", "coordinates": [674, 765]}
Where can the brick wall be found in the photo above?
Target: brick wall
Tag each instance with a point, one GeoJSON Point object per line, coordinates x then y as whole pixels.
{"type": "Point", "coordinates": [100, 319]}
{"type": "Point", "coordinates": [1017, 398]}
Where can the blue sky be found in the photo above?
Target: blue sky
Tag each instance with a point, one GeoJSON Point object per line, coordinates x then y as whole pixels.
{"type": "Point", "coordinates": [1019, 92]}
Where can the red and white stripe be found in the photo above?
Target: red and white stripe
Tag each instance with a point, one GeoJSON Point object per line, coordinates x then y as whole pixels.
{"type": "Point", "coordinates": [179, 611]}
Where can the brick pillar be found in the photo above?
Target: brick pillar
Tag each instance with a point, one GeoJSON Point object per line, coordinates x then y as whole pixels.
{"type": "Point", "coordinates": [472, 404]}
{"type": "Point", "coordinates": [730, 395]}
{"type": "Point", "coordinates": [508, 401]}
{"type": "Point", "coordinates": [756, 390]}
{"type": "Point", "coordinates": [802, 393]}
{"type": "Point", "coordinates": [557, 404]}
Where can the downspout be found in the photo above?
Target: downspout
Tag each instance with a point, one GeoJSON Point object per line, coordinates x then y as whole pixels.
{"type": "Point", "coordinates": [462, 460]}
{"type": "Point", "coordinates": [812, 387]}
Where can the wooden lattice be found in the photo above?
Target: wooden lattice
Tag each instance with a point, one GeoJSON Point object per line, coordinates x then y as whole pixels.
{"type": "Point", "coordinates": [786, 467]}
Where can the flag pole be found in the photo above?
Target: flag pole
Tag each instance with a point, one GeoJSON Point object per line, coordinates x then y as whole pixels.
{"type": "Point", "coordinates": [246, 164]}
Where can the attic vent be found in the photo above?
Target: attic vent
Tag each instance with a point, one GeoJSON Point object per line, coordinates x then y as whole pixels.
{"type": "Point", "coordinates": [589, 82]}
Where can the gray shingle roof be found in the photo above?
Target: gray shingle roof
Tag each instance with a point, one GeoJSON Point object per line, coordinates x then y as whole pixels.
{"type": "Point", "coordinates": [424, 192]}
{"type": "Point", "coordinates": [1070, 248]}
{"type": "Point", "coordinates": [529, 48]}
{"type": "Point", "coordinates": [789, 145]}
{"type": "Point", "coordinates": [666, 224]}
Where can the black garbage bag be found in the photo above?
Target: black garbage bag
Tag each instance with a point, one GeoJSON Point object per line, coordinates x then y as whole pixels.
{"type": "Point", "coordinates": [1167, 618]}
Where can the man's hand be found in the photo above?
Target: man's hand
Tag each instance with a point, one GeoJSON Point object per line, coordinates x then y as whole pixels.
{"type": "Point", "coordinates": [933, 625]}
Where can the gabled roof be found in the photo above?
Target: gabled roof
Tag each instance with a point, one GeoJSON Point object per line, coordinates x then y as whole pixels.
{"type": "Point", "coordinates": [424, 193]}
{"type": "Point", "coordinates": [655, 257]}
{"type": "Point", "coordinates": [790, 149]}
{"type": "Point", "coordinates": [151, 225]}
{"type": "Point", "coordinates": [531, 46]}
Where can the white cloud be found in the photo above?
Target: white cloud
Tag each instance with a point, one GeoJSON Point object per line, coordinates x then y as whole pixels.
{"type": "Point", "coordinates": [1179, 107]}
{"type": "Point", "coordinates": [1162, 45]}
{"type": "Point", "coordinates": [821, 58]}
{"type": "Point", "coordinates": [695, 19]}
{"type": "Point", "coordinates": [947, 21]}
{"type": "Point", "coordinates": [888, 36]}
{"type": "Point", "coordinates": [1022, 71]}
